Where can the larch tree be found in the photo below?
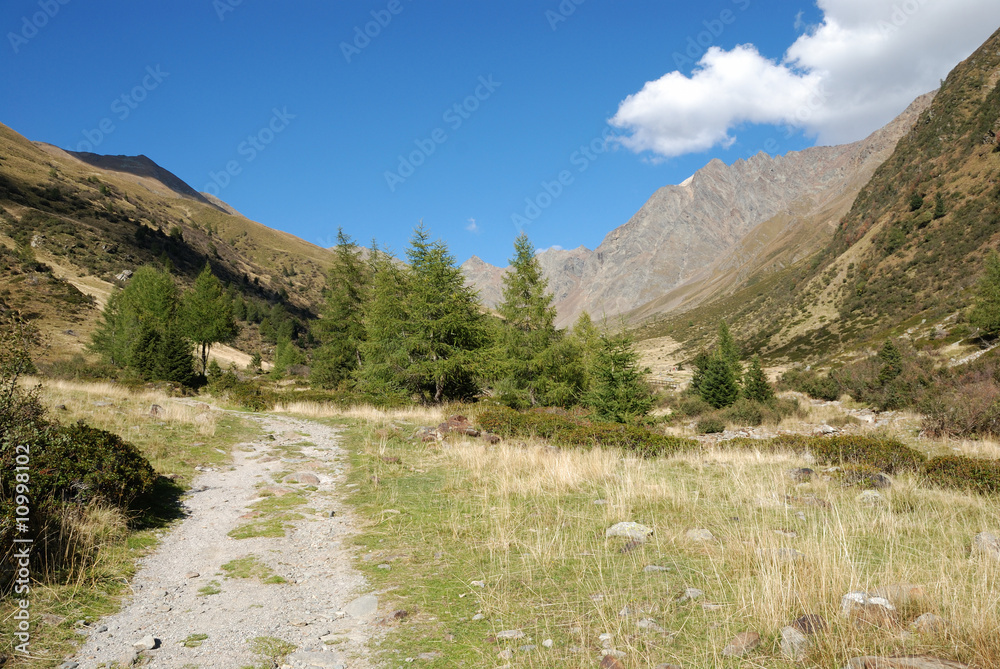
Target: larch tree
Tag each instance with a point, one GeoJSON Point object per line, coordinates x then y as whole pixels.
{"type": "Point", "coordinates": [207, 315]}
{"type": "Point", "coordinates": [341, 328]}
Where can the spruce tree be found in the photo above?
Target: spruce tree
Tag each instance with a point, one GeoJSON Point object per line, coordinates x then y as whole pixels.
{"type": "Point", "coordinates": [755, 384]}
{"type": "Point", "coordinates": [619, 393]}
{"type": "Point", "coordinates": [892, 362]}
{"type": "Point", "coordinates": [587, 340]}
{"type": "Point", "coordinates": [383, 373]}
{"type": "Point", "coordinates": [531, 355]}
{"type": "Point", "coordinates": [718, 384]}
{"type": "Point", "coordinates": [446, 327]}
{"type": "Point", "coordinates": [175, 361]}
{"type": "Point", "coordinates": [727, 349]}
{"type": "Point", "coordinates": [698, 367]}
{"type": "Point", "coordinates": [341, 329]}
{"type": "Point", "coordinates": [145, 353]}
{"type": "Point", "coordinates": [985, 313]}
{"type": "Point", "coordinates": [207, 314]}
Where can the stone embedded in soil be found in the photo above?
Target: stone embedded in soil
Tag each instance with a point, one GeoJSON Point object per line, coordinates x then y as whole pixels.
{"type": "Point", "coordinates": [611, 662]}
{"type": "Point", "coordinates": [362, 607]}
{"type": "Point", "coordinates": [901, 595]}
{"type": "Point", "coordinates": [929, 623]}
{"type": "Point", "coordinates": [147, 642]}
{"type": "Point", "coordinates": [863, 607]}
{"type": "Point", "coordinates": [871, 497]}
{"type": "Point", "coordinates": [741, 644]}
{"type": "Point", "coordinates": [794, 644]}
{"type": "Point", "coordinates": [192, 574]}
{"type": "Point", "coordinates": [547, 643]}
{"type": "Point", "coordinates": [653, 568]}
{"type": "Point", "coordinates": [507, 635]}
{"type": "Point", "coordinates": [872, 662]}
{"type": "Point", "coordinates": [629, 530]}
{"type": "Point", "coordinates": [307, 478]}
{"type": "Point", "coordinates": [699, 535]}
{"type": "Point", "coordinates": [690, 594]}
{"type": "Point", "coordinates": [800, 474]}
{"type": "Point", "coordinates": [811, 623]}
{"type": "Point", "coordinates": [986, 543]}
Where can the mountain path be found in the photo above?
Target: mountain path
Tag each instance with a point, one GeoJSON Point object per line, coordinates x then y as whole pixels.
{"type": "Point", "coordinates": [307, 611]}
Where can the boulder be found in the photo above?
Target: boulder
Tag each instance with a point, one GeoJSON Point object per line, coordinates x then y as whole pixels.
{"type": "Point", "coordinates": [629, 530]}
{"type": "Point", "coordinates": [699, 535]}
{"type": "Point", "coordinates": [306, 478]}
{"type": "Point", "coordinates": [794, 644]}
{"type": "Point", "coordinates": [863, 607]}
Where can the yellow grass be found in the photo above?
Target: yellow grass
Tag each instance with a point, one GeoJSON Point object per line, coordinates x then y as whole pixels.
{"type": "Point", "coordinates": [415, 414]}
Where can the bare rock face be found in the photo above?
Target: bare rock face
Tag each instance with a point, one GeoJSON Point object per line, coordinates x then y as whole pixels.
{"type": "Point", "coordinates": [684, 229]}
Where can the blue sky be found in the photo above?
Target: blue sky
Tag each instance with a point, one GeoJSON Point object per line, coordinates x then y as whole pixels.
{"type": "Point", "coordinates": [299, 123]}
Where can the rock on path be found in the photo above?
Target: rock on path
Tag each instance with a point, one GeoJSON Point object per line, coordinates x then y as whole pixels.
{"type": "Point", "coordinates": [321, 582]}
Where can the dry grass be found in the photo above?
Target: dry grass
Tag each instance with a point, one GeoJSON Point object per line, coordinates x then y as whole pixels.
{"type": "Point", "coordinates": [523, 519]}
{"type": "Point", "coordinates": [416, 414]}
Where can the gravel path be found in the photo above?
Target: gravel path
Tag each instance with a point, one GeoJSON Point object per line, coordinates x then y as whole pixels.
{"type": "Point", "coordinates": [317, 610]}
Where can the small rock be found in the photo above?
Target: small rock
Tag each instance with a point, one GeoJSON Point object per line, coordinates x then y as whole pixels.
{"type": "Point", "coordinates": [863, 607]}
{"type": "Point", "coordinates": [506, 654]}
{"type": "Point", "coordinates": [547, 643]}
{"type": "Point", "coordinates": [689, 595]}
{"type": "Point", "coordinates": [160, 593]}
{"type": "Point", "coordinates": [69, 665]}
{"type": "Point", "coordinates": [653, 568]}
{"type": "Point", "coordinates": [307, 478]}
{"type": "Point", "coordinates": [385, 565]}
{"type": "Point", "coordinates": [129, 657]}
{"type": "Point", "coordinates": [929, 624]}
{"type": "Point", "coordinates": [901, 595]}
{"type": "Point", "coordinates": [479, 584]}
{"type": "Point", "coordinates": [911, 662]}
{"type": "Point", "coordinates": [811, 623]}
{"type": "Point", "coordinates": [61, 407]}
{"type": "Point", "coordinates": [800, 474]}
{"type": "Point", "coordinates": [528, 648]}
{"type": "Point", "coordinates": [625, 612]}
{"type": "Point", "coordinates": [362, 607]}
{"type": "Point", "coordinates": [147, 642]}
{"type": "Point", "coordinates": [871, 497]}
{"type": "Point", "coordinates": [801, 516]}
{"type": "Point", "coordinates": [508, 635]}
{"type": "Point", "coordinates": [609, 661]}
{"type": "Point", "coordinates": [794, 644]}
{"type": "Point", "coordinates": [298, 623]}
{"type": "Point", "coordinates": [629, 530]}
{"type": "Point", "coordinates": [605, 639]}
{"type": "Point", "coordinates": [600, 502]}
{"type": "Point", "coordinates": [192, 574]}
{"type": "Point", "coordinates": [699, 535]}
{"type": "Point", "coordinates": [825, 429]}
{"type": "Point", "coordinates": [478, 616]}
{"type": "Point", "coordinates": [986, 543]}
{"type": "Point", "coordinates": [101, 629]}
{"type": "Point", "coordinates": [431, 656]}
{"type": "Point", "coordinates": [155, 410]}
{"type": "Point", "coordinates": [742, 644]}
{"type": "Point", "coordinates": [649, 624]}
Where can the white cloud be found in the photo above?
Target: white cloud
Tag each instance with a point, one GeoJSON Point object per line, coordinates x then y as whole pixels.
{"type": "Point", "coordinates": [851, 74]}
{"type": "Point", "coordinates": [472, 226]}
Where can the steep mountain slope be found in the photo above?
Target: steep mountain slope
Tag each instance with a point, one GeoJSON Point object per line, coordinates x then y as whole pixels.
{"type": "Point", "coordinates": [909, 250]}
{"type": "Point", "coordinates": [698, 231]}
{"type": "Point", "coordinates": [88, 218]}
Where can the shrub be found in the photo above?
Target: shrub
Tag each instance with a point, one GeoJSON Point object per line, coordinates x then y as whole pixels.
{"type": "Point", "coordinates": [710, 425]}
{"type": "Point", "coordinates": [744, 412]}
{"type": "Point", "coordinates": [886, 455]}
{"type": "Point", "coordinates": [689, 406]}
{"type": "Point", "coordinates": [964, 473]}
{"type": "Point", "coordinates": [811, 383]}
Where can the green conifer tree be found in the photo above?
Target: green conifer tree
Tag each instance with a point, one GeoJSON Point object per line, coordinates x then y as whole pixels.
{"type": "Point", "coordinates": [985, 313]}
{"type": "Point", "coordinates": [619, 393]}
{"type": "Point", "coordinates": [175, 361]}
{"type": "Point", "coordinates": [727, 349]}
{"type": "Point", "coordinates": [341, 329]}
{"type": "Point", "coordinates": [207, 314]}
{"type": "Point", "coordinates": [535, 366]}
{"type": "Point", "coordinates": [383, 373]}
{"type": "Point", "coordinates": [755, 384]}
{"type": "Point", "coordinates": [718, 384]}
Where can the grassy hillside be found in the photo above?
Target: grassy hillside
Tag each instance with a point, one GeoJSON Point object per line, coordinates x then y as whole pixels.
{"type": "Point", "coordinates": [69, 227]}
{"type": "Point", "coordinates": [907, 254]}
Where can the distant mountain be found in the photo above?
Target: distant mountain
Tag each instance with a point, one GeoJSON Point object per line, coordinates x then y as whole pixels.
{"type": "Point", "coordinates": [710, 232]}
{"type": "Point", "coordinates": [906, 256]}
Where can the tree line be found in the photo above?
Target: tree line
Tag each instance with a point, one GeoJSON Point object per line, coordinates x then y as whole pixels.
{"type": "Point", "coordinates": [396, 331]}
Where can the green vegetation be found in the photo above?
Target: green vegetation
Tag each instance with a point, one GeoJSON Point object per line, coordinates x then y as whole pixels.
{"type": "Point", "coordinates": [250, 566]}
{"type": "Point", "coordinates": [618, 393]}
{"type": "Point", "coordinates": [211, 588]}
{"type": "Point", "coordinates": [985, 313]}
{"type": "Point", "coordinates": [206, 314]}
{"type": "Point", "coordinates": [194, 640]}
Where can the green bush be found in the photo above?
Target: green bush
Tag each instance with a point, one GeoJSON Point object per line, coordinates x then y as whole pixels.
{"type": "Point", "coordinates": [964, 473]}
{"type": "Point", "coordinates": [710, 425]}
{"type": "Point", "coordinates": [689, 406]}
{"type": "Point", "coordinates": [886, 455]}
{"type": "Point", "coordinates": [811, 383]}
{"type": "Point", "coordinates": [577, 431]}
{"type": "Point", "coordinates": [744, 412]}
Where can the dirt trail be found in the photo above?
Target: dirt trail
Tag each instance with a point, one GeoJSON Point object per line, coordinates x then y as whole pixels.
{"type": "Point", "coordinates": [307, 611]}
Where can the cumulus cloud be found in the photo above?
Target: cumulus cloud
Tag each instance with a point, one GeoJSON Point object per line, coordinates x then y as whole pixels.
{"type": "Point", "coordinates": [849, 75]}
{"type": "Point", "coordinates": [472, 227]}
